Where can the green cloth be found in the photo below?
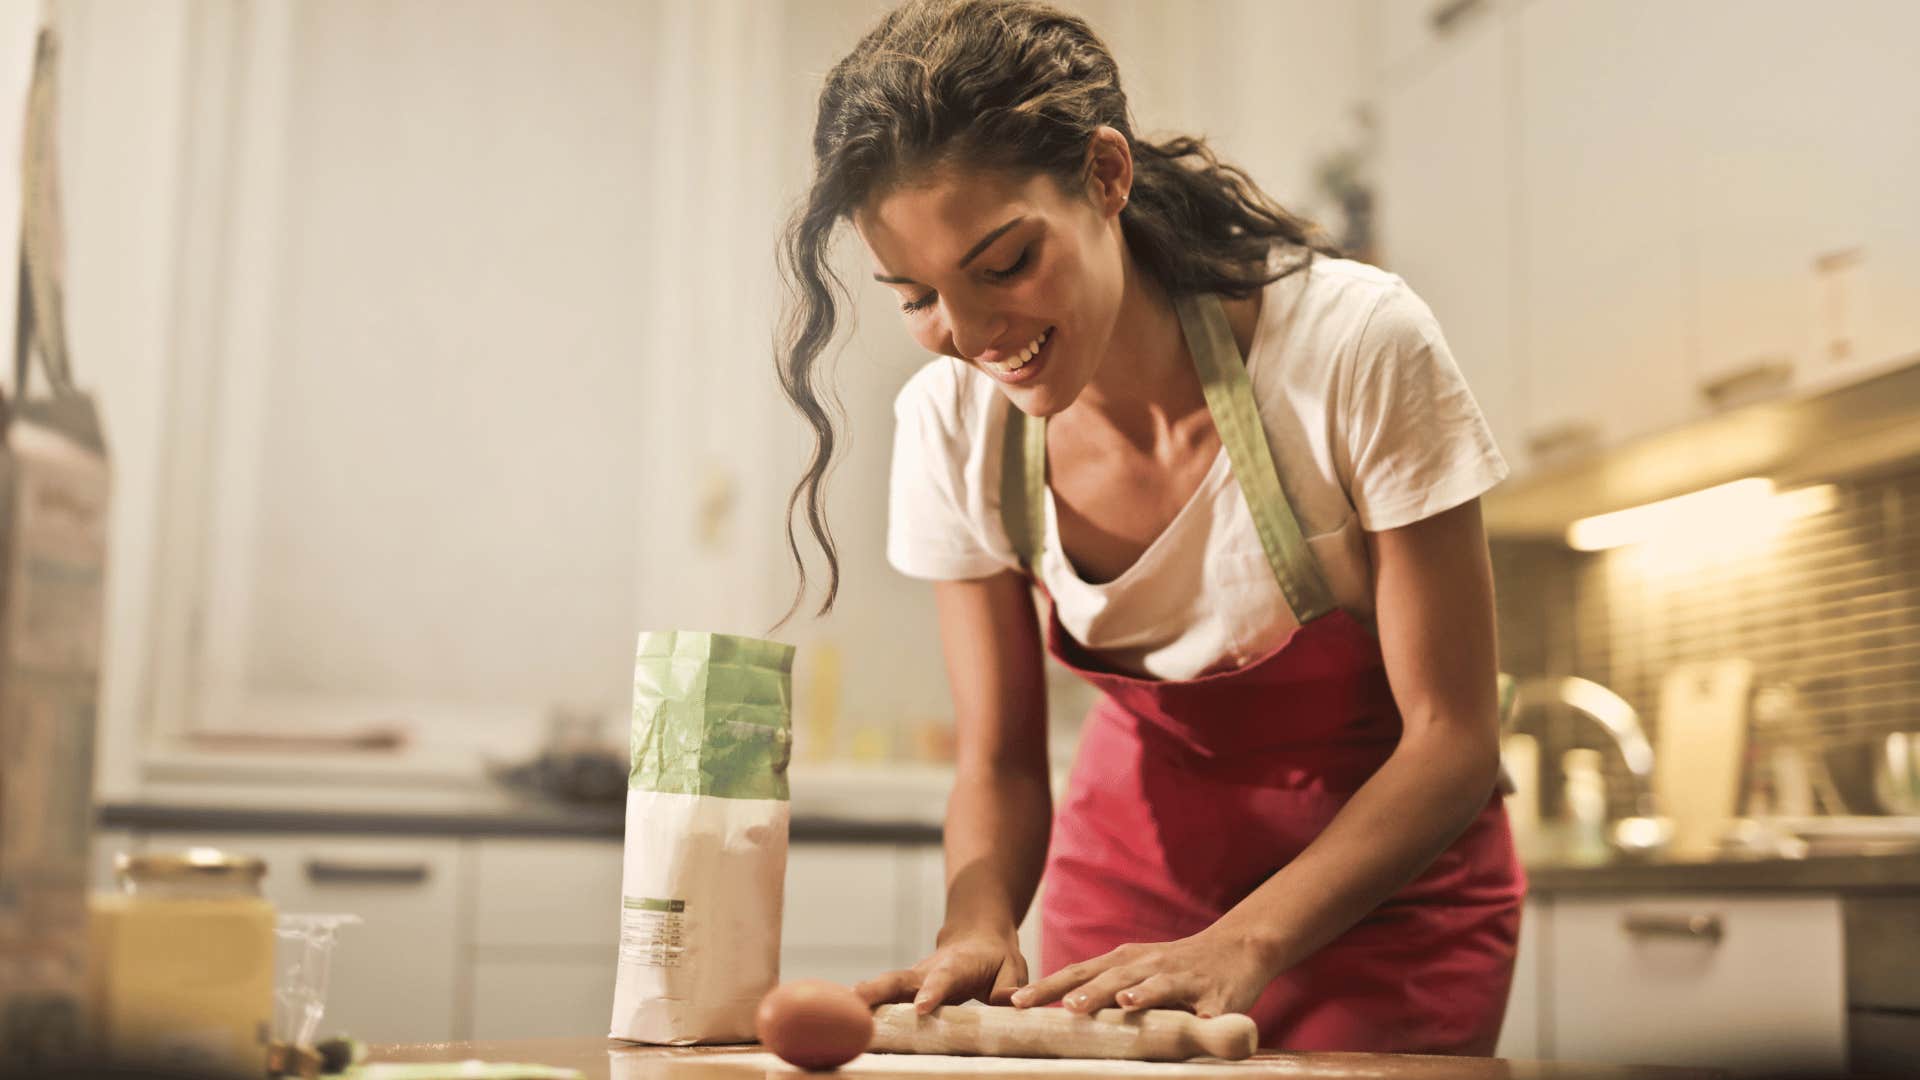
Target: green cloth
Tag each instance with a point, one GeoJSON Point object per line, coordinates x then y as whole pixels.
{"type": "Point", "coordinates": [711, 715]}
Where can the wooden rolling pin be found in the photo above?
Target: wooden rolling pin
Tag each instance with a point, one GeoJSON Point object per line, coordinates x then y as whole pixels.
{"type": "Point", "coordinates": [1004, 1031]}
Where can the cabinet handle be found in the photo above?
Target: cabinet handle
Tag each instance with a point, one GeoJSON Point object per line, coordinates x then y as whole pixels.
{"type": "Point", "coordinates": [1574, 436]}
{"type": "Point", "coordinates": [1762, 377]}
{"type": "Point", "coordinates": [341, 872]}
{"type": "Point", "coordinates": [1646, 924]}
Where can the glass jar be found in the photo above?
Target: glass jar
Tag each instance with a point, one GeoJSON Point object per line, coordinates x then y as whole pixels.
{"type": "Point", "coordinates": [183, 962]}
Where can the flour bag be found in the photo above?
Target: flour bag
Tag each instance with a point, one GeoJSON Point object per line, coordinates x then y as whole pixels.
{"type": "Point", "coordinates": [706, 846]}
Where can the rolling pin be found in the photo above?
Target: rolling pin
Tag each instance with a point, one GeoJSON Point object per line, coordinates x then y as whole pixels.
{"type": "Point", "coordinates": [1004, 1031]}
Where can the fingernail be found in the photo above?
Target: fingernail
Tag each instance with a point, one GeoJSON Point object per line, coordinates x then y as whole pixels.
{"type": "Point", "coordinates": [1128, 998]}
{"type": "Point", "coordinates": [1077, 1000]}
{"type": "Point", "coordinates": [1021, 997]}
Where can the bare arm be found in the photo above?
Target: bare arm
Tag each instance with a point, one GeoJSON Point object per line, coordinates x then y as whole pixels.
{"type": "Point", "coordinates": [1433, 589]}
{"type": "Point", "coordinates": [1001, 807]}
{"type": "Point", "coordinates": [1433, 596]}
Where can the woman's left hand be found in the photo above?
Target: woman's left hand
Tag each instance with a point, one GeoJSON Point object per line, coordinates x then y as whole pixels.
{"type": "Point", "coordinates": [1210, 973]}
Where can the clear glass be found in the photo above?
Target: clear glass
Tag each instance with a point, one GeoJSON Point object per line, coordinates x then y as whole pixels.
{"type": "Point", "coordinates": [301, 966]}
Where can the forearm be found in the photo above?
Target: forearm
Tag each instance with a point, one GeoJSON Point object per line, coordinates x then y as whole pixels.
{"type": "Point", "coordinates": [996, 847]}
{"type": "Point", "coordinates": [1393, 828]}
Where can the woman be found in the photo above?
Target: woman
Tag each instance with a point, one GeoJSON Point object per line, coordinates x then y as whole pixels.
{"type": "Point", "coordinates": [1244, 473]}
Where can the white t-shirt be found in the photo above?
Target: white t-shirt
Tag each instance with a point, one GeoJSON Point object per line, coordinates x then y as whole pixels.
{"type": "Point", "coordinates": [1371, 426]}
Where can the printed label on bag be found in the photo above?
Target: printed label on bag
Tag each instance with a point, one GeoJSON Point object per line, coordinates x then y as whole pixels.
{"type": "Point", "coordinates": [653, 931]}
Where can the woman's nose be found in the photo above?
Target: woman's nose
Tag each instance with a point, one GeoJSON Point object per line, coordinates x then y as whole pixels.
{"type": "Point", "coordinates": [973, 331]}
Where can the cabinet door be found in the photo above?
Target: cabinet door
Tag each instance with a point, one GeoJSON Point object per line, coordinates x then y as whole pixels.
{"type": "Point", "coordinates": [1520, 1035]}
{"type": "Point", "coordinates": [1446, 208]}
{"type": "Point", "coordinates": [1751, 983]}
{"type": "Point", "coordinates": [844, 910]}
{"type": "Point", "coordinates": [547, 894]}
{"type": "Point", "coordinates": [1607, 239]}
{"type": "Point", "coordinates": [537, 997]}
{"type": "Point", "coordinates": [546, 938]}
{"type": "Point", "coordinates": [393, 978]}
{"type": "Point", "coordinates": [1869, 71]}
{"type": "Point", "coordinates": [1796, 108]}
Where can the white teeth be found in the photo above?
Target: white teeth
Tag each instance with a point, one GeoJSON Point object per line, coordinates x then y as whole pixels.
{"type": "Point", "coordinates": [1027, 354]}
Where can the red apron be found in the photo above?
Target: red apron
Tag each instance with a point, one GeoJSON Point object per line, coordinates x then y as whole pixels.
{"type": "Point", "coordinates": [1187, 795]}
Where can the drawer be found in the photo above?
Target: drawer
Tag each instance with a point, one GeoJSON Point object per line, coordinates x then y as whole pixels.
{"type": "Point", "coordinates": [1739, 982]}
{"type": "Point", "coordinates": [547, 893]}
{"type": "Point", "coordinates": [395, 977]}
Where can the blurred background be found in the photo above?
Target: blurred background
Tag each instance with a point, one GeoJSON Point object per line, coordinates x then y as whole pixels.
{"type": "Point", "coordinates": [432, 347]}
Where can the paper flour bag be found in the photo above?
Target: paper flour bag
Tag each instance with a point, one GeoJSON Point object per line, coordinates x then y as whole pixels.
{"type": "Point", "coordinates": [706, 850]}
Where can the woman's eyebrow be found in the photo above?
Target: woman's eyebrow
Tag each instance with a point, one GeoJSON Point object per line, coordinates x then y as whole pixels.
{"type": "Point", "coordinates": [985, 242]}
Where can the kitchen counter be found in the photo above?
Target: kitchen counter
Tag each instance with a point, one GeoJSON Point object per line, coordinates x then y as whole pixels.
{"type": "Point", "coordinates": [823, 816]}
{"type": "Point", "coordinates": [603, 1059]}
{"type": "Point", "coordinates": [1823, 873]}
{"type": "Point", "coordinates": [517, 819]}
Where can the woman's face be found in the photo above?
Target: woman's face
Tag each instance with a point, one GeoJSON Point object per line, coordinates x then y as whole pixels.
{"type": "Point", "coordinates": [1005, 273]}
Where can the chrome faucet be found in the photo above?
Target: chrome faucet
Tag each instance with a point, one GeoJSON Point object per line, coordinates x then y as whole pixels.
{"type": "Point", "coordinates": [1647, 830]}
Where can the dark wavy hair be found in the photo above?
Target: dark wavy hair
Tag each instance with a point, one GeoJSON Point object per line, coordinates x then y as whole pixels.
{"type": "Point", "coordinates": [1016, 86]}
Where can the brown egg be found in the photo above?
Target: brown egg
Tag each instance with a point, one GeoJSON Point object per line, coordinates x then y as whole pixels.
{"type": "Point", "coordinates": [814, 1024]}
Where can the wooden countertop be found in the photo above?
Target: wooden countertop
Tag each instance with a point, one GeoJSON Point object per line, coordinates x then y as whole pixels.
{"type": "Point", "coordinates": [606, 1059]}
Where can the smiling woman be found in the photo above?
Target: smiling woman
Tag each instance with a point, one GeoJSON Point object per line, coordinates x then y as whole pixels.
{"type": "Point", "coordinates": [1017, 99]}
{"type": "Point", "coordinates": [1243, 472]}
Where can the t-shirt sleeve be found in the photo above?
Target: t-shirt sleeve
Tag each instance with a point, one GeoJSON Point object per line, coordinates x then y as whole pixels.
{"type": "Point", "coordinates": [929, 532]}
{"type": "Point", "coordinates": [1416, 443]}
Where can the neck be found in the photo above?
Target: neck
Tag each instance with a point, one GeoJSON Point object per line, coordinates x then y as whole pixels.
{"type": "Point", "coordinates": [1145, 388]}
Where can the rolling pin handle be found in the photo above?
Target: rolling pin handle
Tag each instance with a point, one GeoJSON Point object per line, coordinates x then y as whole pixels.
{"type": "Point", "coordinates": [1233, 1037]}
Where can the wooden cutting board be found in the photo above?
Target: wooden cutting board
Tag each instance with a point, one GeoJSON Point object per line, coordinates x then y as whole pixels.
{"type": "Point", "coordinates": [1699, 750]}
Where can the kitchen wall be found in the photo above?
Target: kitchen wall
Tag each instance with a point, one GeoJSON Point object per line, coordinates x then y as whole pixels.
{"type": "Point", "coordinates": [434, 349]}
{"type": "Point", "coordinates": [1828, 606]}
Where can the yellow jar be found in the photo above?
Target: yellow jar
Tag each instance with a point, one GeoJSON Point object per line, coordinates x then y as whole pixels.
{"type": "Point", "coordinates": [182, 962]}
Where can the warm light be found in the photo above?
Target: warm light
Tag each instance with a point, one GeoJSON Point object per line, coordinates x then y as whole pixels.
{"type": "Point", "coordinates": [1730, 514]}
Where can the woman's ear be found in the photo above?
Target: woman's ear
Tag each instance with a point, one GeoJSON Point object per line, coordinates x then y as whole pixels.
{"type": "Point", "coordinates": [1109, 170]}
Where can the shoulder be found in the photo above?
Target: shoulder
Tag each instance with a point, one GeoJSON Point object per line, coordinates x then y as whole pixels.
{"type": "Point", "coordinates": [1359, 298]}
{"type": "Point", "coordinates": [944, 393]}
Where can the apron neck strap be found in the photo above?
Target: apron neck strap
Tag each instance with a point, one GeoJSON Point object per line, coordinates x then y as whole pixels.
{"type": "Point", "coordinates": [1229, 394]}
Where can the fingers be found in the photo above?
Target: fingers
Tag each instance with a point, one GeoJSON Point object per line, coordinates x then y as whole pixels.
{"type": "Point", "coordinates": [891, 987]}
{"type": "Point", "coordinates": [1012, 974]}
{"type": "Point", "coordinates": [1154, 992]}
{"type": "Point", "coordinates": [1098, 992]}
{"type": "Point", "coordinates": [1055, 986]}
{"type": "Point", "coordinates": [935, 989]}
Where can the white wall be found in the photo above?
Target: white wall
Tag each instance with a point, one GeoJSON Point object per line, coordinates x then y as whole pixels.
{"type": "Point", "coordinates": [488, 325]}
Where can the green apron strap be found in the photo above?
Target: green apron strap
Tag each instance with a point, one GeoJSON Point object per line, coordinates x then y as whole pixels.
{"type": "Point", "coordinates": [1223, 378]}
{"type": "Point", "coordinates": [1023, 485]}
{"type": "Point", "coordinates": [1229, 393]}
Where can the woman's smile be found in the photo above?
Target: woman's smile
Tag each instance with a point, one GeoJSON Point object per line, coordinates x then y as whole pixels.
{"type": "Point", "coordinates": [1024, 365]}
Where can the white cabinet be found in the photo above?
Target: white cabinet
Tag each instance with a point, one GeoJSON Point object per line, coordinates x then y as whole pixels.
{"type": "Point", "coordinates": [541, 997]}
{"type": "Point", "coordinates": [931, 910]}
{"type": "Point", "coordinates": [1521, 1036]}
{"type": "Point", "coordinates": [1607, 243]}
{"type": "Point", "coordinates": [1752, 983]}
{"type": "Point", "coordinates": [1446, 208]}
{"type": "Point", "coordinates": [546, 893]}
{"type": "Point", "coordinates": [845, 908]}
{"type": "Point", "coordinates": [1807, 160]}
{"type": "Point", "coordinates": [546, 935]}
{"type": "Point", "coordinates": [395, 977]}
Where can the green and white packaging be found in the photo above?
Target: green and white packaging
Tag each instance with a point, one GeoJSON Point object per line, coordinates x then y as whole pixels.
{"type": "Point", "coordinates": [706, 843]}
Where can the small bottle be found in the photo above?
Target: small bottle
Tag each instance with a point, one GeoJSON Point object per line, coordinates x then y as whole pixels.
{"type": "Point", "coordinates": [182, 962]}
{"type": "Point", "coordinates": [1586, 806]}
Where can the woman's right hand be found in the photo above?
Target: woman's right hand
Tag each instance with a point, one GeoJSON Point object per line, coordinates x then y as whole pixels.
{"type": "Point", "coordinates": [964, 966]}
